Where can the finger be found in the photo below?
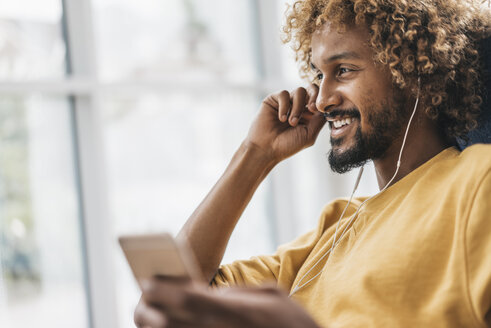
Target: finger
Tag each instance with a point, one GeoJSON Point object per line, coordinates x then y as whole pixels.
{"type": "Point", "coordinates": [298, 105]}
{"type": "Point", "coordinates": [183, 324]}
{"type": "Point", "coordinates": [182, 280]}
{"type": "Point", "coordinates": [180, 301]}
{"type": "Point", "coordinates": [313, 92]}
{"type": "Point", "coordinates": [164, 294]}
{"type": "Point", "coordinates": [315, 125]}
{"type": "Point", "coordinates": [195, 306]}
{"type": "Point", "coordinates": [163, 291]}
{"type": "Point", "coordinates": [147, 316]}
{"type": "Point", "coordinates": [284, 105]}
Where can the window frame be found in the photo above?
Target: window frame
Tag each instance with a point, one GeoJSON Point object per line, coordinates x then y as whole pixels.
{"type": "Point", "coordinates": [84, 90]}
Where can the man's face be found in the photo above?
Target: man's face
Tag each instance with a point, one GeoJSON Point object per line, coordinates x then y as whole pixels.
{"type": "Point", "coordinates": [366, 113]}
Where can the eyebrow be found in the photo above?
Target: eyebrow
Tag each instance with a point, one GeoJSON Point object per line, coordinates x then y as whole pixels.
{"type": "Point", "coordinates": [343, 55]}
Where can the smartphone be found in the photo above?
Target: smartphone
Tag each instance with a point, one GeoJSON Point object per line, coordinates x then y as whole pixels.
{"type": "Point", "coordinates": [161, 255]}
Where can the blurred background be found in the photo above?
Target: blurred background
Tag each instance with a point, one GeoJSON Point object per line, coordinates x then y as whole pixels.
{"type": "Point", "coordinates": [117, 117]}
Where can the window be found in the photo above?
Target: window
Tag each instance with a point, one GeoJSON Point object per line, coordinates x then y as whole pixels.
{"type": "Point", "coordinates": [31, 42]}
{"type": "Point", "coordinates": [165, 148]}
{"type": "Point", "coordinates": [41, 259]}
{"type": "Point", "coordinates": [118, 117]}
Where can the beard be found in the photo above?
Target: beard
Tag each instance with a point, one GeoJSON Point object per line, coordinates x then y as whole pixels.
{"type": "Point", "coordinates": [387, 121]}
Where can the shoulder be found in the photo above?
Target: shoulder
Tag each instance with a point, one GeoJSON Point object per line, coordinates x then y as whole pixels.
{"type": "Point", "coordinates": [470, 164]}
{"type": "Point", "coordinates": [475, 159]}
{"type": "Point", "coordinates": [466, 171]}
{"type": "Point", "coordinates": [453, 168]}
{"type": "Point", "coordinates": [471, 184]}
{"type": "Point", "coordinates": [477, 150]}
{"type": "Point", "coordinates": [333, 210]}
{"type": "Point", "coordinates": [474, 166]}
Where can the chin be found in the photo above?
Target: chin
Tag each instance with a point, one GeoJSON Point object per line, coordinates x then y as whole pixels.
{"type": "Point", "coordinates": [340, 146]}
{"type": "Point", "coordinates": [344, 158]}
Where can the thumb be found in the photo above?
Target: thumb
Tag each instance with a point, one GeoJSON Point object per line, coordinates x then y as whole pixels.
{"type": "Point", "coordinates": [313, 92]}
{"type": "Point", "coordinates": [315, 124]}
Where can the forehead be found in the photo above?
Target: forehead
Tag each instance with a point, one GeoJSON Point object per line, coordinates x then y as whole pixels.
{"type": "Point", "coordinates": [328, 40]}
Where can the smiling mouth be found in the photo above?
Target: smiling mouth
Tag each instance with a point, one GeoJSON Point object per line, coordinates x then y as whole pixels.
{"type": "Point", "coordinates": [339, 123]}
{"type": "Point", "coordinates": [341, 126]}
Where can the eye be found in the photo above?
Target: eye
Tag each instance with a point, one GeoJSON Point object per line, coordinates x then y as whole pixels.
{"type": "Point", "coordinates": [318, 76]}
{"type": "Point", "coordinates": [344, 70]}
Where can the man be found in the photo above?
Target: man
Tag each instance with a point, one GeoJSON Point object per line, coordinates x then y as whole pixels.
{"type": "Point", "coordinates": [396, 81]}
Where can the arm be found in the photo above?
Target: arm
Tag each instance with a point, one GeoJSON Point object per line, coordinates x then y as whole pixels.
{"type": "Point", "coordinates": [208, 229]}
{"type": "Point", "coordinates": [286, 123]}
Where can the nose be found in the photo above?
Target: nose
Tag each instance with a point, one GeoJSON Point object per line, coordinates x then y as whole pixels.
{"type": "Point", "coordinates": [328, 97]}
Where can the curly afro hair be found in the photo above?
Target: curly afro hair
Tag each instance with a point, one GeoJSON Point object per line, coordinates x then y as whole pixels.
{"type": "Point", "coordinates": [436, 40]}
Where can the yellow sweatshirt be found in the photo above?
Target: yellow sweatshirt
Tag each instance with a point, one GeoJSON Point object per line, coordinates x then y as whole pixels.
{"type": "Point", "coordinates": [418, 254]}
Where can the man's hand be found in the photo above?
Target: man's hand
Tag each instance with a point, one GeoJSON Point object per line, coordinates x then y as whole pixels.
{"type": "Point", "coordinates": [287, 123]}
{"type": "Point", "coordinates": [174, 304]}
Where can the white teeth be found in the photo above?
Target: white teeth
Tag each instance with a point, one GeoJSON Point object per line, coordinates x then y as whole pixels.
{"type": "Point", "coordinates": [339, 123]}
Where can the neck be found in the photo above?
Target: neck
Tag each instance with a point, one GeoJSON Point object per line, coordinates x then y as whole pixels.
{"type": "Point", "coordinates": [423, 142]}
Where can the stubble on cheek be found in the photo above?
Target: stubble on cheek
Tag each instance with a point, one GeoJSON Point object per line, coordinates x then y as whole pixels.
{"type": "Point", "coordinates": [384, 124]}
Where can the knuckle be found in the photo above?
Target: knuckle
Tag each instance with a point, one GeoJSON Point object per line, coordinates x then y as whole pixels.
{"type": "Point", "coordinates": [284, 93]}
{"type": "Point", "coordinates": [138, 316]}
{"type": "Point", "coordinates": [270, 101]}
{"type": "Point", "coordinates": [313, 90]}
{"type": "Point", "coordinates": [301, 90]}
{"type": "Point", "coordinates": [161, 324]}
{"type": "Point", "coordinates": [187, 299]}
{"type": "Point", "coordinates": [146, 316]}
{"type": "Point", "coordinates": [151, 294]}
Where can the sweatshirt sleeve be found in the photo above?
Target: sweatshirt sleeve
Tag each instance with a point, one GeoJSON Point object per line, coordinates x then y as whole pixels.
{"type": "Point", "coordinates": [280, 268]}
{"type": "Point", "coordinates": [478, 251]}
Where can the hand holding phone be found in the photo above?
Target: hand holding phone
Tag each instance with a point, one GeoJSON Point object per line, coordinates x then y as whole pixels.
{"type": "Point", "coordinates": [161, 255]}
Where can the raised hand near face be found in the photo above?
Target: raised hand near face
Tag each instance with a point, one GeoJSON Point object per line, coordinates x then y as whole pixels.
{"type": "Point", "coordinates": [287, 123]}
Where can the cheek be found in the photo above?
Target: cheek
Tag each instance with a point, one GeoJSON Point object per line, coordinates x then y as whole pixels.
{"type": "Point", "coordinates": [367, 110]}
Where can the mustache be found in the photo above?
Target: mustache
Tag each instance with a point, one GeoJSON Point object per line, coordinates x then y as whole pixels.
{"type": "Point", "coordinates": [352, 112]}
